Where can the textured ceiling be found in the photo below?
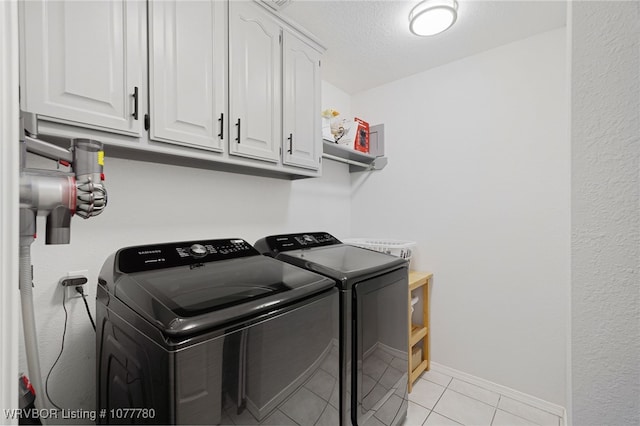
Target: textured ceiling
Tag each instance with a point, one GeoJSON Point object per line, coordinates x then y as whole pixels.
{"type": "Point", "coordinates": [369, 43]}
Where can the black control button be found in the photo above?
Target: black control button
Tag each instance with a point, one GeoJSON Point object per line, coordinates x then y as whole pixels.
{"type": "Point", "coordinates": [197, 251]}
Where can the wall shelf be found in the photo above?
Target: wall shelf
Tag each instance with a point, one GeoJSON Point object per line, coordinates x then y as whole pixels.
{"type": "Point", "coordinates": [358, 161]}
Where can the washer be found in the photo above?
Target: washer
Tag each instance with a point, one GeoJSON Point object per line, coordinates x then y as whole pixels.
{"type": "Point", "coordinates": [211, 332]}
{"type": "Point", "coordinates": [373, 321]}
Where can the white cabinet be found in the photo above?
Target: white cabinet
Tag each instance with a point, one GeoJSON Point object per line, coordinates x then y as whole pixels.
{"type": "Point", "coordinates": [254, 82]}
{"type": "Point", "coordinates": [301, 103]}
{"type": "Point", "coordinates": [187, 63]}
{"type": "Point", "coordinates": [274, 80]}
{"type": "Point", "coordinates": [230, 82]}
{"type": "Point", "coordinates": [83, 62]}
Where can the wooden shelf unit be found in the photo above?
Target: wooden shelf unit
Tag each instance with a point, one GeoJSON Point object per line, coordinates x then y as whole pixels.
{"type": "Point", "coordinates": [417, 332]}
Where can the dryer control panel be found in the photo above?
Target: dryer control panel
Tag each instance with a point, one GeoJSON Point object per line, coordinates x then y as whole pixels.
{"type": "Point", "coordinates": [169, 255]}
{"type": "Point", "coordinates": [287, 242]}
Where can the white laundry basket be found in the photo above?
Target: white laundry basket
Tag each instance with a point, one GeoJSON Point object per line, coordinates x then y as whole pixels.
{"type": "Point", "coordinates": [398, 248]}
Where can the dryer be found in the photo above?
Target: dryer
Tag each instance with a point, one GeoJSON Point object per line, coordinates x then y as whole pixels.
{"type": "Point", "coordinates": [373, 321]}
{"type": "Point", "coordinates": [211, 332]}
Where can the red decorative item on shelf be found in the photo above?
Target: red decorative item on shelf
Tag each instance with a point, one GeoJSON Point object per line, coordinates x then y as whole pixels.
{"type": "Point", "coordinates": [361, 136]}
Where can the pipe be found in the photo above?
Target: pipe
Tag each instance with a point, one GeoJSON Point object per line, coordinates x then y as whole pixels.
{"type": "Point", "coordinates": [29, 326]}
{"type": "Point", "coordinates": [347, 161]}
{"type": "Point", "coordinates": [47, 150]}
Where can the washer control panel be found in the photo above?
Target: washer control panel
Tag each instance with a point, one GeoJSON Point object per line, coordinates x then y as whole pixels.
{"type": "Point", "coordinates": [193, 253]}
{"type": "Point", "coordinates": [288, 242]}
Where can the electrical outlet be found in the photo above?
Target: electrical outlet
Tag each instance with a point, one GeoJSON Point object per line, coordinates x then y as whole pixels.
{"type": "Point", "coordinates": [75, 278]}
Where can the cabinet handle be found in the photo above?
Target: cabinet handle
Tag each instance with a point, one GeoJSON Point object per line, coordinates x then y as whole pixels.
{"type": "Point", "coordinates": [221, 120]}
{"type": "Point", "coordinates": [290, 138]}
{"type": "Point", "coordinates": [135, 103]}
{"type": "Point", "coordinates": [238, 126]}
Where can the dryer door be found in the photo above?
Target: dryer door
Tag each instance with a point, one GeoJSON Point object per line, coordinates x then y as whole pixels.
{"type": "Point", "coordinates": [380, 338]}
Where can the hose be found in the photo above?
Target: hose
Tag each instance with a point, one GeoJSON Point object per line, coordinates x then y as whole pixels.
{"type": "Point", "coordinates": [29, 326]}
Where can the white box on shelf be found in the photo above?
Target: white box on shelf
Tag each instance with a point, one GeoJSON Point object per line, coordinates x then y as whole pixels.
{"type": "Point", "coordinates": [376, 140]}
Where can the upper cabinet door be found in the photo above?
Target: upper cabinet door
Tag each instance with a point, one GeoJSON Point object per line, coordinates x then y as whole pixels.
{"type": "Point", "coordinates": [187, 61]}
{"type": "Point", "coordinates": [302, 131]}
{"type": "Point", "coordinates": [83, 62]}
{"type": "Point", "coordinates": [254, 82]}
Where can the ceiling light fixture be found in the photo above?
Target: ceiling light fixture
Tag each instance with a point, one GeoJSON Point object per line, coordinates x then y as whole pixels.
{"type": "Point", "coordinates": [431, 17]}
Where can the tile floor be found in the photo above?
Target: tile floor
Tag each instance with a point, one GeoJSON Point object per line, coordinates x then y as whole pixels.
{"type": "Point", "coordinates": [437, 399]}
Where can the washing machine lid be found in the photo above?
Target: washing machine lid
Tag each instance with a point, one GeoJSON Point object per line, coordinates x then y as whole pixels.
{"type": "Point", "coordinates": [187, 287]}
{"type": "Point", "coordinates": [323, 253]}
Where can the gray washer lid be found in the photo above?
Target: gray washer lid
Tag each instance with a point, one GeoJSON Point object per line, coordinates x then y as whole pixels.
{"type": "Point", "coordinates": [344, 263]}
{"type": "Point", "coordinates": [185, 300]}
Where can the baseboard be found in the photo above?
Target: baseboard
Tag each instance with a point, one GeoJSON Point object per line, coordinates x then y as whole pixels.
{"type": "Point", "coordinates": [504, 390]}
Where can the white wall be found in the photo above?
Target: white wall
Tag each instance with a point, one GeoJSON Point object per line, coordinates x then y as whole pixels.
{"type": "Point", "coordinates": [605, 127]}
{"type": "Point", "coordinates": [478, 175]}
{"type": "Point", "coordinates": [158, 203]}
{"type": "Point", "coordinates": [334, 98]}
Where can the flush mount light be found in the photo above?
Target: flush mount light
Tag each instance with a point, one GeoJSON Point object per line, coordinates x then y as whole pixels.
{"type": "Point", "coordinates": [431, 17]}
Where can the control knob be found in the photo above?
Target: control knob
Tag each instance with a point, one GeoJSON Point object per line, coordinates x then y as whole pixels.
{"type": "Point", "coordinates": [197, 251]}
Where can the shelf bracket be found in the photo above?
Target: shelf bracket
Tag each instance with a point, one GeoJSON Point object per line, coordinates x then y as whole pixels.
{"type": "Point", "coordinates": [379, 163]}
